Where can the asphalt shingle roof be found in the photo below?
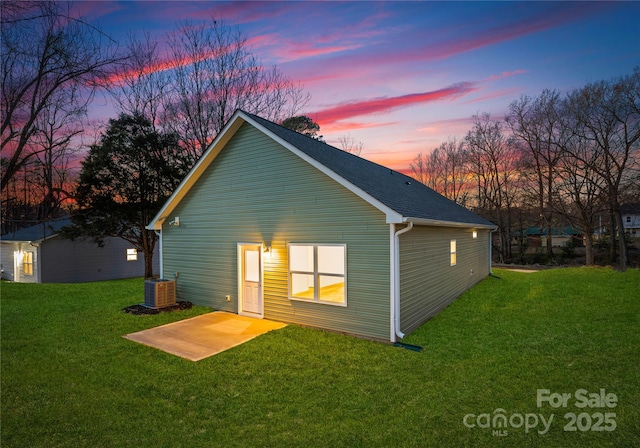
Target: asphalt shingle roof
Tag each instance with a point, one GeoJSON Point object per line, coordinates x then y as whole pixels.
{"type": "Point", "coordinates": [397, 191]}
{"type": "Point", "coordinates": [38, 232]}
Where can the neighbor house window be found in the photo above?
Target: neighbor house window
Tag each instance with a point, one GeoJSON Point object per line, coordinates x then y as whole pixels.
{"type": "Point", "coordinates": [452, 251]}
{"type": "Point", "coordinates": [27, 263]}
{"type": "Point", "coordinates": [317, 273]}
{"type": "Point", "coordinates": [132, 254]}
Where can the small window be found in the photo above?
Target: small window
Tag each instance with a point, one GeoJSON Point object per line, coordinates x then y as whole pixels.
{"type": "Point", "coordinates": [27, 263]}
{"type": "Point", "coordinates": [132, 254]}
{"type": "Point", "coordinates": [628, 218]}
{"type": "Point", "coordinates": [452, 251]}
{"type": "Point", "coordinates": [317, 273]}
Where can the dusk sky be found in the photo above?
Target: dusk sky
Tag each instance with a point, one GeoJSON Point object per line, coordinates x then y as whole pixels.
{"type": "Point", "coordinates": [401, 77]}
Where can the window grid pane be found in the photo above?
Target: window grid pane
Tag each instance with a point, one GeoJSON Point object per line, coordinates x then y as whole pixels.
{"type": "Point", "coordinates": [302, 286]}
{"type": "Point", "coordinates": [301, 258]}
{"type": "Point", "coordinates": [331, 259]}
{"type": "Point", "coordinates": [331, 289]}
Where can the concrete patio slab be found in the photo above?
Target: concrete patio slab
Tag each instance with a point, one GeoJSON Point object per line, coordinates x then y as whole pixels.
{"type": "Point", "coordinates": [203, 336]}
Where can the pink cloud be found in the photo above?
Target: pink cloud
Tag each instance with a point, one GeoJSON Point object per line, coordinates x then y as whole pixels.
{"type": "Point", "coordinates": [428, 46]}
{"type": "Point", "coordinates": [229, 12]}
{"type": "Point", "coordinates": [442, 125]}
{"type": "Point", "coordinates": [162, 65]}
{"type": "Point", "coordinates": [383, 104]}
{"type": "Point", "coordinates": [494, 94]}
{"type": "Point", "coordinates": [353, 126]}
{"type": "Point", "coordinates": [94, 10]}
{"type": "Point", "coordinates": [505, 75]}
{"type": "Point", "coordinates": [292, 51]}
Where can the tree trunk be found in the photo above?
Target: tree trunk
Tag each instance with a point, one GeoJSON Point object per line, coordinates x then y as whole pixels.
{"type": "Point", "coordinates": [148, 265]}
{"type": "Point", "coordinates": [622, 245]}
{"type": "Point", "coordinates": [148, 244]}
{"type": "Point", "coordinates": [549, 248]}
{"type": "Point", "coordinates": [612, 236]}
{"type": "Point", "coordinates": [588, 247]}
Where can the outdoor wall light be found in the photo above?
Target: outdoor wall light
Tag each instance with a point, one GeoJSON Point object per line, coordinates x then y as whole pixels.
{"type": "Point", "coordinates": [475, 234]}
{"type": "Point", "coordinates": [175, 222]}
{"type": "Point", "coordinates": [267, 249]}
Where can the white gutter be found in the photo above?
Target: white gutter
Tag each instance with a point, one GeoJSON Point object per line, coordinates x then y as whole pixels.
{"type": "Point", "coordinates": [441, 223]}
{"type": "Point", "coordinates": [395, 280]}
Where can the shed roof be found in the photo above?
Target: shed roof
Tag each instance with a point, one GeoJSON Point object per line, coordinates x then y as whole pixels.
{"type": "Point", "coordinates": [38, 232]}
{"type": "Point", "coordinates": [400, 197]}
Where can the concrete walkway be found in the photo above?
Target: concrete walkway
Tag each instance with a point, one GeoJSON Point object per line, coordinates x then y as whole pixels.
{"type": "Point", "coordinates": [203, 336]}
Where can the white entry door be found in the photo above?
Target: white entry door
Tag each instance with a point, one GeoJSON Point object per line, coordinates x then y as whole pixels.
{"type": "Point", "coordinates": [250, 276]}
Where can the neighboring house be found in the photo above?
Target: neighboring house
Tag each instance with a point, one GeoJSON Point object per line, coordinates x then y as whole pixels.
{"type": "Point", "coordinates": [560, 236]}
{"type": "Point", "coordinates": [631, 219]}
{"type": "Point", "coordinates": [271, 223]}
{"type": "Point", "coordinates": [38, 254]}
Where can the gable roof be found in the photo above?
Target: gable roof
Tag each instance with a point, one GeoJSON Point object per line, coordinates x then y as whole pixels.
{"type": "Point", "coordinates": [400, 197]}
{"type": "Point", "coordinates": [38, 232]}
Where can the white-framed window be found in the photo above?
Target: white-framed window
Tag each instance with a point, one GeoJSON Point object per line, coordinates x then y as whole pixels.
{"type": "Point", "coordinates": [453, 252]}
{"type": "Point", "coordinates": [27, 263]}
{"type": "Point", "coordinates": [318, 273]}
{"type": "Point", "coordinates": [132, 254]}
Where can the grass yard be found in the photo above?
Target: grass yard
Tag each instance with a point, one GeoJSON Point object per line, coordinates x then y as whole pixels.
{"type": "Point", "coordinates": [69, 379]}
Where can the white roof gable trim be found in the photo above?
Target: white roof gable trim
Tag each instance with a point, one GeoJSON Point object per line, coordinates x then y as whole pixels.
{"type": "Point", "coordinates": [220, 142]}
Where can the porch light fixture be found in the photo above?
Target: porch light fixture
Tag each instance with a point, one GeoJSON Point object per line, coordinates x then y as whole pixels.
{"type": "Point", "coordinates": [175, 222]}
{"type": "Point", "coordinates": [475, 234]}
{"type": "Point", "coordinates": [266, 249]}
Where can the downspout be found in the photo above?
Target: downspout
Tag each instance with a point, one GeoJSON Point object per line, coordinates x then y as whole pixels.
{"type": "Point", "coordinates": [396, 278]}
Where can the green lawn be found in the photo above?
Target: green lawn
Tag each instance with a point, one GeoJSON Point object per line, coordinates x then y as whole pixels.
{"type": "Point", "coordinates": [70, 379]}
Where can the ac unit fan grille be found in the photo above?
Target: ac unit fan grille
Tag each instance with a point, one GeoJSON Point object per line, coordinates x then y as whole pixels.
{"type": "Point", "coordinates": [159, 293]}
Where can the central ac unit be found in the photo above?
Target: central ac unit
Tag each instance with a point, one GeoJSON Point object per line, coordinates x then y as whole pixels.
{"type": "Point", "coordinates": [159, 293]}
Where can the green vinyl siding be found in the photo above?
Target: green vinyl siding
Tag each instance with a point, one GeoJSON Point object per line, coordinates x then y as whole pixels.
{"type": "Point", "coordinates": [257, 191]}
{"type": "Point", "coordinates": [428, 282]}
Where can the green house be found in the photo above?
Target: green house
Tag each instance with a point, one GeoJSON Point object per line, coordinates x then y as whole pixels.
{"type": "Point", "coordinates": [273, 224]}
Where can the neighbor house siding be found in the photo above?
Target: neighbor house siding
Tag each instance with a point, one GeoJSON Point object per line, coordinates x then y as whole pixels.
{"type": "Point", "coordinates": [257, 191]}
{"type": "Point", "coordinates": [6, 259]}
{"type": "Point", "coordinates": [66, 261]}
{"type": "Point", "coordinates": [58, 260]}
{"type": "Point", "coordinates": [428, 282]}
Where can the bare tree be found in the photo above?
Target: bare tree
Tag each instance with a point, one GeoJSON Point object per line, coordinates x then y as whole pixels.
{"type": "Point", "coordinates": [579, 189]}
{"type": "Point", "coordinates": [59, 124]}
{"type": "Point", "coordinates": [609, 118]}
{"type": "Point", "coordinates": [143, 82]}
{"type": "Point", "coordinates": [350, 145]}
{"type": "Point", "coordinates": [494, 164]}
{"type": "Point", "coordinates": [445, 170]}
{"type": "Point", "coordinates": [537, 124]}
{"type": "Point", "coordinates": [216, 74]}
{"type": "Point", "coordinates": [423, 170]}
{"type": "Point", "coordinates": [45, 51]}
